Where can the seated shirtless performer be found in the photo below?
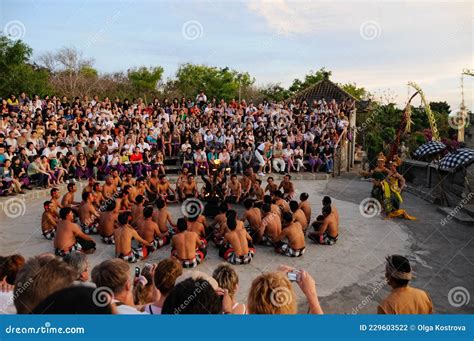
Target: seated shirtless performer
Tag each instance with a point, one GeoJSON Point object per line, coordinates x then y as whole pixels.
{"type": "Point", "coordinates": [136, 211]}
{"type": "Point", "coordinates": [150, 231]}
{"type": "Point", "coordinates": [288, 187]}
{"type": "Point", "coordinates": [163, 218]}
{"type": "Point", "coordinates": [123, 235]}
{"type": "Point", "coordinates": [165, 191]}
{"type": "Point", "coordinates": [189, 188]}
{"type": "Point", "coordinates": [291, 239]}
{"type": "Point", "coordinates": [195, 225]}
{"type": "Point", "coordinates": [68, 198]}
{"type": "Point", "coordinates": [88, 214]}
{"type": "Point", "coordinates": [234, 190]}
{"type": "Point", "coordinates": [55, 205]}
{"type": "Point", "coordinates": [254, 217]}
{"type": "Point", "coordinates": [305, 205]}
{"type": "Point", "coordinates": [327, 231]}
{"type": "Point", "coordinates": [107, 222]}
{"type": "Point", "coordinates": [237, 247]}
{"type": "Point", "coordinates": [49, 220]}
{"type": "Point", "coordinates": [281, 202]}
{"type": "Point", "coordinates": [69, 236]}
{"type": "Point", "coordinates": [298, 215]}
{"type": "Point", "coordinates": [218, 226]}
{"type": "Point", "coordinates": [271, 226]}
{"type": "Point", "coordinates": [186, 246]}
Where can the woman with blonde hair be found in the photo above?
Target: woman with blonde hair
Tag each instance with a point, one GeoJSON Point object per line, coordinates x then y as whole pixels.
{"type": "Point", "coordinates": [228, 279]}
{"type": "Point", "coordinates": [272, 293]}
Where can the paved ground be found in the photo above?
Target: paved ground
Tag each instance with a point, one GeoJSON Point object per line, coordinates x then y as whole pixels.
{"type": "Point", "coordinates": [349, 275]}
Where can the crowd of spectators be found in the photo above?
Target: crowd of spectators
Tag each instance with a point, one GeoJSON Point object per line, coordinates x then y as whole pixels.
{"type": "Point", "coordinates": [47, 141]}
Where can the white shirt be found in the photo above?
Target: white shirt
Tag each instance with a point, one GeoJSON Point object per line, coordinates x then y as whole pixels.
{"type": "Point", "coordinates": [123, 309]}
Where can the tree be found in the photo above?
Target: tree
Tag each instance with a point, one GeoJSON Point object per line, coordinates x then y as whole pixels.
{"type": "Point", "coordinates": [144, 80]}
{"type": "Point", "coordinates": [17, 73]}
{"type": "Point", "coordinates": [275, 92]}
{"type": "Point", "coordinates": [354, 90]}
{"type": "Point", "coordinates": [216, 82]}
{"type": "Point", "coordinates": [309, 79]}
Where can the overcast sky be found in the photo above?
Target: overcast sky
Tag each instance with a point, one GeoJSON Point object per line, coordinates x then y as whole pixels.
{"type": "Point", "coordinates": [380, 45]}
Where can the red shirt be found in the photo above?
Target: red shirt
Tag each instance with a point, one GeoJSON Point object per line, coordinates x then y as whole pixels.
{"type": "Point", "coordinates": [136, 157]}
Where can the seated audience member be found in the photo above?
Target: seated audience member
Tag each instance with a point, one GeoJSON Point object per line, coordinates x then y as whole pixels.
{"type": "Point", "coordinates": [164, 279]}
{"type": "Point", "coordinates": [403, 299]}
{"type": "Point", "coordinates": [113, 275]}
{"type": "Point", "coordinates": [40, 277]}
{"type": "Point", "coordinates": [143, 290]}
{"type": "Point", "coordinates": [78, 262]}
{"type": "Point", "coordinates": [272, 293]}
{"type": "Point", "coordinates": [124, 234]}
{"type": "Point", "coordinates": [49, 220]}
{"type": "Point", "coordinates": [327, 231]}
{"type": "Point", "coordinates": [75, 300]}
{"type": "Point", "coordinates": [237, 247]}
{"type": "Point", "coordinates": [69, 236]}
{"type": "Point", "coordinates": [107, 222]}
{"type": "Point", "coordinates": [9, 268]}
{"type": "Point", "coordinates": [291, 240]}
{"type": "Point", "coordinates": [228, 279]}
{"type": "Point", "coordinates": [187, 247]}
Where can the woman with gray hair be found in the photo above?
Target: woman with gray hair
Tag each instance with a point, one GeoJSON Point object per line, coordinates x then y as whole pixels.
{"type": "Point", "coordinates": [78, 261]}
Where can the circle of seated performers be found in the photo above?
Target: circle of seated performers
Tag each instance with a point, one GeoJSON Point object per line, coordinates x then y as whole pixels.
{"type": "Point", "coordinates": [132, 215]}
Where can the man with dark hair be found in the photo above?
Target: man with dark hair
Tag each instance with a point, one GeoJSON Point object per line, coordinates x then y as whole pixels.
{"type": "Point", "coordinates": [218, 226]}
{"type": "Point", "coordinates": [403, 299]}
{"type": "Point", "coordinates": [205, 299]}
{"type": "Point", "coordinates": [291, 239]}
{"type": "Point", "coordinates": [107, 221]}
{"type": "Point", "coordinates": [237, 247]}
{"type": "Point", "coordinates": [281, 202]}
{"type": "Point", "coordinates": [163, 218]}
{"type": "Point", "coordinates": [137, 210]}
{"type": "Point", "coordinates": [186, 246]}
{"type": "Point", "coordinates": [69, 236]}
{"type": "Point", "coordinates": [305, 205]}
{"type": "Point", "coordinates": [234, 190]}
{"type": "Point", "coordinates": [68, 198]}
{"type": "Point", "coordinates": [267, 199]}
{"type": "Point", "coordinates": [150, 231]}
{"type": "Point", "coordinates": [88, 214]}
{"type": "Point", "coordinates": [271, 226]}
{"type": "Point", "coordinates": [298, 215]}
{"type": "Point", "coordinates": [288, 187]}
{"type": "Point", "coordinates": [123, 235]}
{"type": "Point", "coordinates": [49, 220]}
{"type": "Point", "coordinates": [326, 231]}
{"type": "Point", "coordinates": [254, 217]}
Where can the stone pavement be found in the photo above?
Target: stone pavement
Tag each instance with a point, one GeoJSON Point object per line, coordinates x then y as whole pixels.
{"type": "Point", "coordinates": [353, 265]}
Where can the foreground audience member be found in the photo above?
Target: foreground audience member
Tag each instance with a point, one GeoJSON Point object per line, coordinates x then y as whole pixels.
{"type": "Point", "coordinates": [327, 231]}
{"type": "Point", "coordinates": [237, 247]}
{"type": "Point", "coordinates": [164, 279]}
{"type": "Point", "coordinates": [9, 268]}
{"type": "Point", "coordinates": [403, 299]}
{"type": "Point", "coordinates": [187, 247]}
{"type": "Point", "coordinates": [272, 293]}
{"type": "Point", "coordinates": [78, 262]}
{"type": "Point", "coordinates": [205, 299]}
{"type": "Point", "coordinates": [40, 277]}
{"type": "Point", "coordinates": [114, 275]}
{"type": "Point", "coordinates": [143, 289]}
{"type": "Point", "coordinates": [69, 236]}
{"type": "Point", "coordinates": [75, 300]}
{"type": "Point", "coordinates": [123, 236]}
{"type": "Point", "coordinates": [49, 220]}
{"type": "Point", "coordinates": [291, 239]}
{"type": "Point", "coordinates": [228, 279]}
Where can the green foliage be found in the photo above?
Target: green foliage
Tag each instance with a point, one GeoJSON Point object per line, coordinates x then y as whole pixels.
{"type": "Point", "coordinates": [275, 92]}
{"type": "Point", "coordinates": [354, 90]}
{"type": "Point", "coordinates": [143, 79]}
{"type": "Point", "coordinates": [17, 75]}
{"type": "Point", "coordinates": [217, 82]}
{"type": "Point", "coordinates": [311, 78]}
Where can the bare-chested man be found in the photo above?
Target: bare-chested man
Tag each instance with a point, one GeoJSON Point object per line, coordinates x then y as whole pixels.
{"type": "Point", "coordinates": [246, 185]}
{"type": "Point", "coordinates": [197, 226]}
{"type": "Point", "coordinates": [271, 185]}
{"type": "Point", "coordinates": [49, 220]}
{"type": "Point", "coordinates": [55, 205]}
{"type": "Point", "coordinates": [68, 198]}
{"type": "Point", "coordinates": [291, 239]}
{"type": "Point", "coordinates": [258, 192]}
{"type": "Point", "coordinates": [327, 232]}
{"type": "Point", "coordinates": [253, 215]}
{"type": "Point", "coordinates": [237, 247]}
{"type": "Point", "coordinates": [137, 211]}
{"type": "Point", "coordinates": [281, 202]}
{"type": "Point", "coordinates": [88, 214]}
{"type": "Point", "coordinates": [109, 188]}
{"type": "Point", "coordinates": [219, 226]}
{"type": "Point", "coordinates": [163, 218]}
{"type": "Point", "coordinates": [150, 231]}
{"type": "Point", "coordinates": [69, 237]}
{"type": "Point", "coordinates": [116, 180]}
{"type": "Point", "coordinates": [298, 215]}
{"type": "Point", "coordinates": [123, 235]}
{"type": "Point", "coordinates": [305, 206]}
{"type": "Point", "coordinates": [288, 187]}
{"type": "Point", "coordinates": [90, 185]}
{"type": "Point", "coordinates": [128, 180]}
{"type": "Point", "coordinates": [187, 247]}
{"type": "Point", "coordinates": [165, 191]}
{"type": "Point", "coordinates": [189, 188]}
{"type": "Point", "coordinates": [234, 190]}
{"type": "Point", "coordinates": [267, 199]}
{"type": "Point", "coordinates": [271, 226]}
{"type": "Point", "coordinates": [98, 196]}
{"type": "Point", "coordinates": [107, 222]}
